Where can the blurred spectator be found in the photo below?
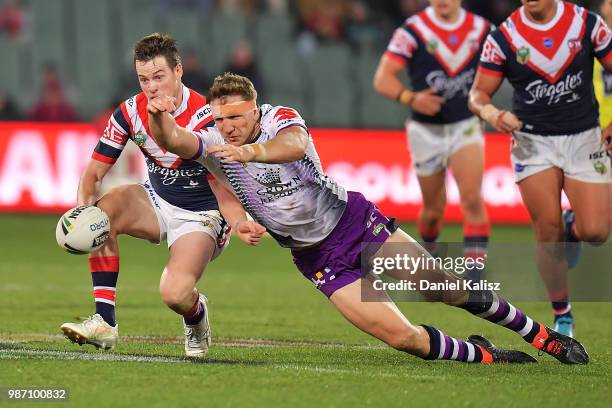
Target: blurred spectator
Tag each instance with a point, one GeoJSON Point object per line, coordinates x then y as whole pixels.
{"type": "Point", "coordinates": [410, 7]}
{"type": "Point", "coordinates": [100, 121]}
{"type": "Point", "coordinates": [324, 18]}
{"type": "Point", "coordinates": [195, 75]}
{"type": "Point", "coordinates": [362, 32]}
{"type": "Point", "coordinates": [247, 8]}
{"type": "Point", "coordinates": [494, 11]}
{"type": "Point", "coordinates": [204, 7]}
{"type": "Point", "coordinates": [52, 106]}
{"type": "Point", "coordinates": [12, 18]}
{"type": "Point", "coordinates": [242, 62]}
{"type": "Point", "coordinates": [277, 7]}
{"type": "Point", "coordinates": [8, 108]}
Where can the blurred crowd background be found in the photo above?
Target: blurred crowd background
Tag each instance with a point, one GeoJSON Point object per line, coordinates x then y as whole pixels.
{"type": "Point", "coordinates": [71, 60]}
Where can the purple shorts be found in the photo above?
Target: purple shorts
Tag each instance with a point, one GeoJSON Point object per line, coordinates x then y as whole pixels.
{"type": "Point", "coordinates": [336, 261]}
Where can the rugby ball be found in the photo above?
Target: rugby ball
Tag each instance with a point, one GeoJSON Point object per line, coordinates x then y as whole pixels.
{"type": "Point", "coordinates": [82, 229]}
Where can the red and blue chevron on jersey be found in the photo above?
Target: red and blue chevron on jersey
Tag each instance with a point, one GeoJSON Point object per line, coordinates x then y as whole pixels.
{"type": "Point", "coordinates": [441, 56]}
{"type": "Point", "coordinates": [550, 67]}
{"type": "Point", "coordinates": [180, 182]}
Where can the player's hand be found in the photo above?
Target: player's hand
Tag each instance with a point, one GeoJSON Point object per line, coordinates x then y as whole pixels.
{"type": "Point", "coordinates": [427, 102]}
{"type": "Point", "coordinates": [161, 104]}
{"type": "Point", "coordinates": [230, 153]}
{"type": "Point", "coordinates": [501, 120]}
{"type": "Point", "coordinates": [250, 232]}
{"type": "Point", "coordinates": [606, 139]}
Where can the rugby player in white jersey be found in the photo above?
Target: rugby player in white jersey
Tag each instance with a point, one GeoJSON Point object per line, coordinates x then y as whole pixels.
{"type": "Point", "coordinates": [176, 204]}
{"type": "Point", "coordinates": [546, 50]}
{"type": "Point", "coordinates": [266, 157]}
{"type": "Point", "coordinates": [439, 48]}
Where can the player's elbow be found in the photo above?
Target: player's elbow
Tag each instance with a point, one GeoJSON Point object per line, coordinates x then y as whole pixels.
{"type": "Point", "coordinates": [378, 81]}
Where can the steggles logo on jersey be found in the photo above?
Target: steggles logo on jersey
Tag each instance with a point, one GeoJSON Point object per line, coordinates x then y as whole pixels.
{"type": "Point", "coordinates": [449, 87]}
{"type": "Point", "coordinates": [140, 139]}
{"type": "Point", "coordinates": [522, 55]}
{"type": "Point", "coordinates": [539, 89]}
{"type": "Point", "coordinates": [169, 176]}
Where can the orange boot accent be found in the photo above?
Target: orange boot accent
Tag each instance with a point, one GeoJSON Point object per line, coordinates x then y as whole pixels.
{"type": "Point", "coordinates": [540, 338]}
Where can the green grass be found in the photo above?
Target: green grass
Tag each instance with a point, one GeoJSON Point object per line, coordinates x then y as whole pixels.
{"type": "Point", "coordinates": [277, 341]}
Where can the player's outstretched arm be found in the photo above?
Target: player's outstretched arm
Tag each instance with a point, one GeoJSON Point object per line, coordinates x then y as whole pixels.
{"type": "Point", "coordinates": [166, 132]}
{"type": "Point", "coordinates": [288, 145]}
{"type": "Point", "coordinates": [249, 232]}
{"type": "Point", "coordinates": [483, 88]}
{"type": "Point", "coordinates": [91, 178]}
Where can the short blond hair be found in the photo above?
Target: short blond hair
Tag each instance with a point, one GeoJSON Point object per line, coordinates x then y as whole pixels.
{"type": "Point", "coordinates": [229, 84]}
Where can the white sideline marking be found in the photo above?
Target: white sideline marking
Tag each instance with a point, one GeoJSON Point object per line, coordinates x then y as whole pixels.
{"type": "Point", "coordinates": [18, 354]}
{"type": "Point", "coordinates": [13, 354]}
{"type": "Point", "coordinates": [229, 342]}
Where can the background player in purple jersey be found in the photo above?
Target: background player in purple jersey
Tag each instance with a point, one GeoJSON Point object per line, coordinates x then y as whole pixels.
{"type": "Point", "coordinates": [267, 158]}
{"type": "Point", "coordinates": [176, 204]}
{"type": "Point", "coordinates": [439, 47]}
{"type": "Point", "coordinates": [546, 50]}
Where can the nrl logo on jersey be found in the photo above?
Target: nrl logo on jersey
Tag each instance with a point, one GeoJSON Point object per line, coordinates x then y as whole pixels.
{"type": "Point", "coordinates": [432, 46]}
{"type": "Point", "coordinates": [522, 55]}
{"type": "Point", "coordinates": [140, 139]}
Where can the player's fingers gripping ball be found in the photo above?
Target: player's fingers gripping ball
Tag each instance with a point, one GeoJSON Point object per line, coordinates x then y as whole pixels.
{"type": "Point", "coordinates": [82, 229]}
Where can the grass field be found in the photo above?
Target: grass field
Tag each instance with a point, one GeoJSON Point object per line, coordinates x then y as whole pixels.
{"type": "Point", "coordinates": [276, 340]}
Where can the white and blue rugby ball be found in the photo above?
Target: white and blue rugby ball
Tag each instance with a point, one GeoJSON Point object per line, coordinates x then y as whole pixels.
{"type": "Point", "coordinates": [82, 229]}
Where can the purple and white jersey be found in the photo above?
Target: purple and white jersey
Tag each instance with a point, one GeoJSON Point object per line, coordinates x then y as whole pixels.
{"type": "Point", "coordinates": [297, 203]}
{"type": "Point", "coordinates": [550, 67]}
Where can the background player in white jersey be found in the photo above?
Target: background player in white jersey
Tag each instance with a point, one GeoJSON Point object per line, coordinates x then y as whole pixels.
{"type": "Point", "coordinates": [176, 203]}
{"type": "Point", "coordinates": [439, 47]}
{"type": "Point", "coordinates": [546, 50]}
{"type": "Point", "coordinates": [267, 158]}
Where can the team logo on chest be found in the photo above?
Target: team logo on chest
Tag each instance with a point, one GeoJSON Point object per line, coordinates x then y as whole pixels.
{"type": "Point", "coordinates": [454, 48]}
{"type": "Point", "coordinates": [432, 46]}
{"type": "Point", "coordinates": [522, 55]}
{"type": "Point", "coordinates": [574, 45]}
{"type": "Point", "coordinates": [549, 53]}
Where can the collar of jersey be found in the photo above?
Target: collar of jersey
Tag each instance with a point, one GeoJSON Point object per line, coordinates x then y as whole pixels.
{"type": "Point", "coordinates": [446, 26]}
{"type": "Point", "coordinates": [543, 27]}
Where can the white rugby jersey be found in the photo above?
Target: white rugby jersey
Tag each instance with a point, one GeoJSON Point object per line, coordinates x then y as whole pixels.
{"type": "Point", "coordinates": [297, 203]}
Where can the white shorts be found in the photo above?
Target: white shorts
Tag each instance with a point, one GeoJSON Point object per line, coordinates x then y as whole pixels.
{"type": "Point", "coordinates": [580, 156]}
{"type": "Point", "coordinates": [175, 222]}
{"type": "Point", "coordinates": [431, 145]}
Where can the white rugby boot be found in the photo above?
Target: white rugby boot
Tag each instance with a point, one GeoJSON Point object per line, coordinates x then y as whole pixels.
{"type": "Point", "coordinates": [94, 330]}
{"type": "Point", "coordinates": [197, 336]}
